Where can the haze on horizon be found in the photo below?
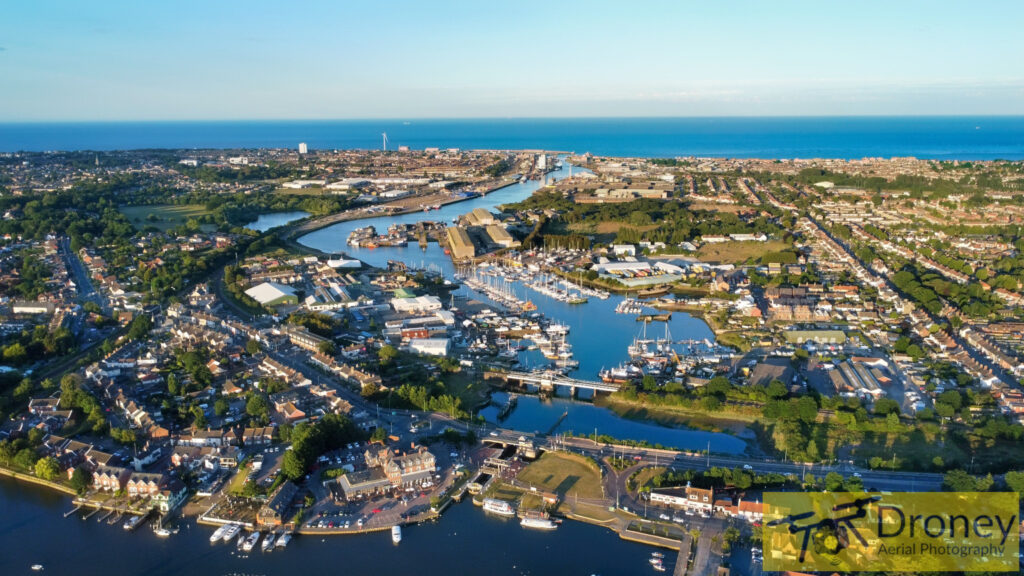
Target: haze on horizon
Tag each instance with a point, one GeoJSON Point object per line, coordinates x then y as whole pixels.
{"type": "Point", "coordinates": [189, 60]}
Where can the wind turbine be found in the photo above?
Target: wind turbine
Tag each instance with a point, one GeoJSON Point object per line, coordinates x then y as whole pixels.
{"type": "Point", "coordinates": [385, 136]}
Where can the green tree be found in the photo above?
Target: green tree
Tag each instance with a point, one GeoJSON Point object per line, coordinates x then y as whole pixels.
{"type": "Point", "coordinates": [807, 409]}
{"type": "Point", "coordinates": [26, 458]}
{"type": "Point", "coordinates": [81, 480]}
{"type": "Point", "coordinates": [833, 481]}
{"type": "Point", "coordinates": [885, 406]}
{"type": "Point", "coordinates": [47, 468]}
{"type": "Point", "coordinates": [1015, 481]}
{"type": "Point", "coordinates": [813, 455]}
{"type": "Point", "coordinates": [139, 327]}
{"type": "Point", "coordinates": [15, 353]}
{"type": "Point", "coordinates": [252, 347]}
{"type": "Point", "coordinates": [257, 406]}
{"type": "Point", "coordinates": [960, 481]}
{"type": "Point", "coordinates": [292, 465]}
{"type": "Point", "coordinates": [220, 407]}
{"type": "Point", "coordinates": [711, 403]}
{"type": "Point", "coordinates": [730, 536]}
{"type": "Point", "coordinates": [199, 418]}
{"type": "Point", "coordinates": [387, 354]}
{"type": "Point", "coordinates": [776, 389]}
{"type": "Point", "coordinates": [327, 348]}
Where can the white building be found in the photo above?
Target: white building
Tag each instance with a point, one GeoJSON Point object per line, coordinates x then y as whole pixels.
{"type": "Point", "coordinates": [624, 249]}
{"type": "Point", "coordinates": [303, 149]}
{"type": "Point", "coordinates": [271, 292]}
{"type": "Point", "coordinates": [429, 346]}
{"type": "Point", "coordinates": [344, 263]}
{"type": "Point", "coordinates": [347, 184]}
{"type": "Point", "coordinates": [417, 305]}
{"type": "Point", "coordinates": [300, 184]}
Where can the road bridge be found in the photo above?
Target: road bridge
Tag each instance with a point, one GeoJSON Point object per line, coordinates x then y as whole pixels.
{"type": "Point", "coordinates": [547, 380]}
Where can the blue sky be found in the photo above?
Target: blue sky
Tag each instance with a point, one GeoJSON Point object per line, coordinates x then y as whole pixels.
{"type": "Point", "coordinates": [131, 60]}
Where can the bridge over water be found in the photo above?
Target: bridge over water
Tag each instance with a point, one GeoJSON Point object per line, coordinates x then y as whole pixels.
{"type": "Point", "coordinates": [547, 380]}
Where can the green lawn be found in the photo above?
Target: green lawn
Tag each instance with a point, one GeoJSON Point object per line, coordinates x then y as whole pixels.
{"type": "Point", "coordinates": [738, 252]}
{"type": "Point", "coordinates": [564, 474]}
{"type": "Point", "coordinates": [163, 217]}
{"type": "Point", "coordinates": [644, 476]}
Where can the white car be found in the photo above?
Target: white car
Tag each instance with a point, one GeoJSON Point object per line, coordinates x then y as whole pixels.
{"type": "Point", "coordinates": [748, 467]}
{"type": "Point", "coordinates": [664, 517]}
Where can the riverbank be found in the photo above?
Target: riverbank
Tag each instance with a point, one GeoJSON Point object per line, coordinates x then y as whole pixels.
{"type": "Point", "coordinates": [22, 477]}
{"type": "Point", "coordinates": [743, 426]}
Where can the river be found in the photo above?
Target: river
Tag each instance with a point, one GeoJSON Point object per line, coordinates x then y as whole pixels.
{"type": "Point", "coordinates": [599, 336]}
{"type": "Point", "coordinates": [464, 541]}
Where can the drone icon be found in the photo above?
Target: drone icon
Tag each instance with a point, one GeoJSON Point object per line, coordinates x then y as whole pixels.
{"type": "Point", "coordinates": [843, 525]}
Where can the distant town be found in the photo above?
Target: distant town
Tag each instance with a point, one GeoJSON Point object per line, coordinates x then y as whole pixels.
{"type": "Point", "coordinates": [280, 343]}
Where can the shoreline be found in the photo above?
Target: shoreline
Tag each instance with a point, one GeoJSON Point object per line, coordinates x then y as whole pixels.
{"type": "Point", "coordinates": [28, 478]}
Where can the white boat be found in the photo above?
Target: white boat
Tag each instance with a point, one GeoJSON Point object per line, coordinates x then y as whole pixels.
{"type": "Point", "coordinates": [283, 540]}
{"type": "Point", "coordinates": [396, 534]}
{"type": "Point", "coordinates": [251, 541]}
{"type": "Point", "coordinates": [133, 523]}
{"type": "Point", "coordinates": [162, 532]}
{"type": "Point", "coordinates": [37, 567]}
{"type": "Point", "coordinates": [232, 531]}
{"type": "Point", "coordinates": [268, 542]}
{"type": "Point", "coordinates": [538, 523]}
{"type": "Point", "coordinates": [499, 507]}
{"type": "Point", "coordinates": [218, 534]}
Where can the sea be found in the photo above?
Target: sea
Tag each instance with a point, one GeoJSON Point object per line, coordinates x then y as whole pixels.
{"type": "Point", "coordinates": [848, 137]}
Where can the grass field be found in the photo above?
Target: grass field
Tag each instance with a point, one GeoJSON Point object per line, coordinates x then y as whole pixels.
{"type": "Point", "coordinates": [602, 231]}
{"type": "Point", "coordinates": [163, 217]}
{"type": "Point", "coordinates": [738, 252]}
{"type": "Point", "coordinates": [644, 476]}
{"type": "Point", "coordinates": [235, 487]}
{"type": "Point", "coordinates": [731, 421]}
{"type": "Point", "coordinates": [564, 474]}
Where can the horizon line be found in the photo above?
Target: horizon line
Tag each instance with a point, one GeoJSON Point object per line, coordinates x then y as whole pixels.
{"type": "Point", "coordinates": [503, 118]}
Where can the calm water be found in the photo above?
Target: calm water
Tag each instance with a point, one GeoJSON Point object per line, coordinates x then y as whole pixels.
{"type": "Point", "coordinates": [267, 221]}
{"type": "Point", "coordinates": [967, 138]}
{"type": "Point", "coordinates": [535, 415]}
{"type": "Point", "coordinates": [464, 541]}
